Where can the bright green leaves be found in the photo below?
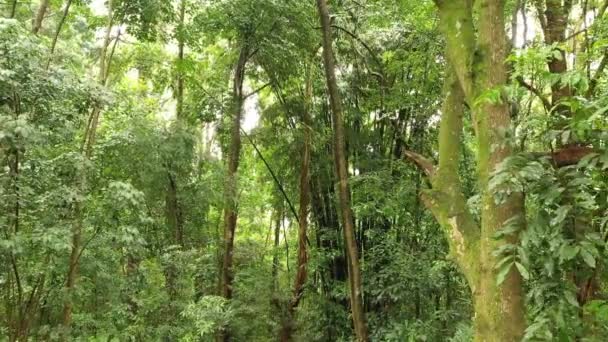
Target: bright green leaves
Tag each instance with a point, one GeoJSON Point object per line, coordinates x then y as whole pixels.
{"type": "Point", "coordinates": [491, 96]}
{"type": "Point", "coordinates": [510, 255]}
{"type": "Point", "coordinates": [208, 315]}
{"type": "Point", "coordinates": [568, 252]}
{"type": "Point", "coordinates": [145, 19]}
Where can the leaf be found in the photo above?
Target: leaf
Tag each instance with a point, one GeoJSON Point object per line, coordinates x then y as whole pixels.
{"type": "Point", "coordinates": [588, 258]}
{"type": "Point", "coordinates": [569, 252]}
{"type": "Point", "coordinates": [502, 274]}
{"type": "Point", "coordinates": [504, 261]}
{"type": "Point", "coordinates": [571, 298]}
{"type": "Point", "coordinates": [560, 214]}
{"type": "Point", "coordinates": [523, 271]}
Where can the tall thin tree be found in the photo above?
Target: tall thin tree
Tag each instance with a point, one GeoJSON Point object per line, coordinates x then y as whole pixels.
{"type": "Point", "coordinates": [341, 168]}
{"type": "Point", "coordinates": [230, 190]}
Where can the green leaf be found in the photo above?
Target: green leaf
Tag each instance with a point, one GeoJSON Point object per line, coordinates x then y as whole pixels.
{"type": "Point", "coordinates": [502, 274]}
{"type": "Point", "coordinates": [571, 298]}
{"type": "Point", "coordinates": [560, 214]}
{"type": "Point", "coordinates": [588, 258]}
{"type": "Point", "coordinates": [569, 252]}
{"type": "Point", "coordinates": [523, 271]}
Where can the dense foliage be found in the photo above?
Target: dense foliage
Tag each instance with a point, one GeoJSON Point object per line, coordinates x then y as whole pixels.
{"type": "Point", "coordinates": [261, 170]}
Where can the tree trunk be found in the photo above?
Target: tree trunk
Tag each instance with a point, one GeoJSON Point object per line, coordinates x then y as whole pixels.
{"type": "Point", "coordinates": [500, 310]}
{"type": "Point", "coordinates": [354, 274]}
{"type": "Point", "coordinates": [230, 191]}
{"type": "Point", "coordinates": [477, 61]}
{"type": "Point", "coordinates": [180, 60]}
{"type": "Point", "coordinates": [86, 151]}
{"type": "Point", "coordinates": [275, 250]}
{"type": "Point", "coordinates": [554, 22]}
{"type": "Point", "coordinates": [174, 212]}
{"type": "Point", "coordinates": [173, 209]}
{"type": "Point", "coordinates": [37, 25]}
{"type": "Point", "coordinates": [64, 16]}
{"type": "Point", "coordinates": [13, 12]}
{"type": "Point", "coordinates": [302, 271]}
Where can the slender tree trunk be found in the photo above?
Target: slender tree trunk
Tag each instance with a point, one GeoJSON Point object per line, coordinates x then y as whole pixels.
{"type": "Point", "coordinates": [275, 251]}
{"type": "Point", "coordinates": [87, 151]}
{"type": "Point", "coordinates": [554, 22]}
{"type": "Point", "coordinates": [354, 274]}
{"type": "Point", "coordinates": [174, 210]}
{"type": "Point", "coordinates": [14, 215]}
{"type": "Point", "coordinates": [230, 191]}
{"type": "Point", "coordinates": [64, 16]}
{"type": "Point", "coordinates": [302, 270]}
{"type": "Point", "coordinates": [13, 12]}
{"type": "Point", "coordinates": [180, 61]}
{"type": "Point", "coordinates": [37, 24]}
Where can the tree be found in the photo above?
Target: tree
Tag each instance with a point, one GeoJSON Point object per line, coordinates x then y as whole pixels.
{"type": "Point", "coordinates": [354, 269]}
{"type": "Point", "coordinates": [37, 23]}
{"type": "Point", "coordinates": [187, 170]}
{"type": "Point", "coordinates": [479, 75]}
{"type": "Point", "coordinates": [231, 191]}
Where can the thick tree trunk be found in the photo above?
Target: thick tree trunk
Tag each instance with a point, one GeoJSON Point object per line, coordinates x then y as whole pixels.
{"type": "Point", "coordinates": [478, 63]}
{"type": "Point", "coordinates": [499, 308]}
{"type": "Point", "coordinates": [354, 274]}
{"type": "Point", "coordinates": [230, 191]}
{"type": "Point", "coordinates": [37, 24]}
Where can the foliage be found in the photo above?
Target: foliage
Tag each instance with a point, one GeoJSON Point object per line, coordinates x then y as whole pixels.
{"type": "Point", "coordinates": [118, 209]}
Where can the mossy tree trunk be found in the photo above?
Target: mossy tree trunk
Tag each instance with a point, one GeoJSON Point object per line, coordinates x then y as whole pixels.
{"type": "Point", "coordinates": [476, 61]}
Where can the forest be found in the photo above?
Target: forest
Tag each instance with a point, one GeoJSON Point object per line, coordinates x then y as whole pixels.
{"type": "Point", "coordinates": [304, 170]}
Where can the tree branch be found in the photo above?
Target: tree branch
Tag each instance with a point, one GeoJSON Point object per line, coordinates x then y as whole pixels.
{"type": "Point", "coordinates": [534, 91]}
{"type": "Point", "coordinates": [421, 162]}
{"type": "Point", "coordinates": [274, 176]}
{"type": "Point", "coordinates": [257, 90]}
{"type": "Point", "coordinates": [360, 41]}
{"type": "Point", "coordinates": [598, 73]}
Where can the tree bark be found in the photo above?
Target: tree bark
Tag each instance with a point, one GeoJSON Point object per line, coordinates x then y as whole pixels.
{"type": "Point", "coordinates": [230, 191]}
{"type": "Point", "coordinates": [478, 63]}
{"type": "Point", "coordinates": [64, 16]}
{"type": "Point", "coordinates": [13, 12]}
{"type": "Point", "coordinates": [341, 168]}
{"type": "Point", "coordinates": [37, 25]}
{"type": "Point", "coordinates": [554, 22]}
{"type": "Point", "coordinates": [500, 309]}
{"type": "Point", "coordinates": [173, 207]}
{"type": "Point", "coordinates": [86, 151]}
{"type": "Point", "coordinates": [180, 60]}
{"type": "Point", "coordinates": [302, 270]}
